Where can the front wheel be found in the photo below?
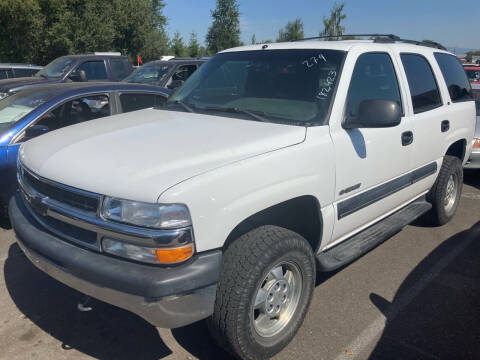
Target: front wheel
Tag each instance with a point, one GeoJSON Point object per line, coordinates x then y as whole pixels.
{"type": "Point", "coordinates": [265, 289]}
{"type": "Point", "coordinates": [445, 193]}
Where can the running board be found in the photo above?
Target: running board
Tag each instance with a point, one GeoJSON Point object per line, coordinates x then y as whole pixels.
{"type": "Point", "coordinates": [367, 239]}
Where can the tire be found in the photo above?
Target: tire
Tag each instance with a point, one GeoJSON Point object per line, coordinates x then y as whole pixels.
{"type": "Point", "coordinates": [444, 202]}
{"type": "Point", "coordinates": [250, 268]}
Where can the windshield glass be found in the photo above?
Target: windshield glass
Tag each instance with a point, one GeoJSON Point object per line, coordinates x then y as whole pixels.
{"type": "Point", "coordinates": [15, 107]}
{"type": "Point", "coordinates": [473, 75]}
{"type": "Point", "coordinates": [293, 86]}
{"type": "Point", "coordinates": [148, 74]}
{"type": "Point", "coordinates": [56, 69]}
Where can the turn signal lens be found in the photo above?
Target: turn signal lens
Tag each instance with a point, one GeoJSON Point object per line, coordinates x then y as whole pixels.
{"type": "Point", "coordinates": [476, 144]}
{"type": "Point", "coordinates": [175, 255]}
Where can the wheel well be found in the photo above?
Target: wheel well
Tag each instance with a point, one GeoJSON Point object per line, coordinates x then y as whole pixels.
{"type": "Point", "coordinates": [301, 215]}
{"type": "Point", "coordinates": [457, 149]}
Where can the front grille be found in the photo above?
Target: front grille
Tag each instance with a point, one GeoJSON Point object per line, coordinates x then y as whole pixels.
{"type": "Point", "coordinates": [71, 198]}
{"type": "Point", "coordinates": [71, 232]}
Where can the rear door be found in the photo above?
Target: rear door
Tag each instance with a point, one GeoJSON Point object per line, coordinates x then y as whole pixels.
{"type": "Point", "coordinates": [371, 163]}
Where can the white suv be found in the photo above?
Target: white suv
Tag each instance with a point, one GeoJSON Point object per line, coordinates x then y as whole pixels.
{"type": "Point", "coordinates": [271, 163]}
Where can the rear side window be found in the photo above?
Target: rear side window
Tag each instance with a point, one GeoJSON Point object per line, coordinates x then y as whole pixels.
{"type": "Point", "coordinates": [121, 68]}
{"type": "Point", "coordinates": [133, 102]}
{"type": "Point", "coordinates": [373, 78]}
{"type": "Point", "coordinates": [458, 86]}
{"type": "Point", "coordinates": [95, 70]}
{"type": "Point", "coordinates": [421, 81]}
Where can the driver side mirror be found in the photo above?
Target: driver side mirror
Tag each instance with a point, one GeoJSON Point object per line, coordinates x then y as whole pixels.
{"type": "Point", "coordinates": [78, 75]}
{"type": "Point", "coordinates": [175, 84]}
{"type": "Point", "coordinates": [35, 130]}
{"type": "Point", "coordinates": [375, 113]}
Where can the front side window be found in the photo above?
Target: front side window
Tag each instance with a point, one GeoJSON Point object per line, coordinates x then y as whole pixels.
{"type": "Point", "coordinates": [75, 111]}
{"type": "Point", "coordinates": [183, 72]}
{"type": "Point", "coordinates": [121, 68]}
{"type": "Point", "coordinates": [473, 75]}
{"type": "Point", "coordinates": [457, 83]}
{"type": "Point", "coordinates": [151, 73]}
{"type": "Point", "coordinates": [294, 86]}
{"type": "Point", "coordinates": [94, 70]}
{"type": "Point", "coordinates": [57, 68]}
{"type": "Point", "coordinates": [136, 101]}
{"type": "Point", "coordinates": [373, 78]}
{"type": "Point", "coordinates": [422, 83]}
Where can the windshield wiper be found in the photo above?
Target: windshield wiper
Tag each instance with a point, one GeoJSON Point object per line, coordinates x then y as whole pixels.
{"type": "Point", "coordinates": [257, 115]}
{"type": "Point", "coordinates": [184, 105]}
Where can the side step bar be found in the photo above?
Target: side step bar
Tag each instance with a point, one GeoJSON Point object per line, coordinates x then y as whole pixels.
{"type": "Point", "coordinates": [367, 239]}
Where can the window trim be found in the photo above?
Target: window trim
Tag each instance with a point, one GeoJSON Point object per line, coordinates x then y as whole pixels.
{"type": "Point", "coordinates": [19, 135]}
{"type": "Point", "coordinates": [431, 107]}
{"type": "Point", "coordinates": [344, 116]}
{"type": "Point", "coordinates": [468, 81]}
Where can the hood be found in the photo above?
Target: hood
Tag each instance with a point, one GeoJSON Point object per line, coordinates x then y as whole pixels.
{"type": "Point", "coordinates": [8, 84]}
{"type": "Point", "coordinates": [139, 155]}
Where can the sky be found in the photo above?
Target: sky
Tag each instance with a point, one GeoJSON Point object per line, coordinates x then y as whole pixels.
{"type": "Point", "coordinates": [449, 22]}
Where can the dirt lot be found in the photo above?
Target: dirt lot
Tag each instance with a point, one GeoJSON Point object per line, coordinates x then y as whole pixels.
{"type": "Point", "coordinates": [417, 296]}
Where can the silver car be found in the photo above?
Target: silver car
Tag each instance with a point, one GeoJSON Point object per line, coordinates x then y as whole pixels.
{"type": "Point", "coordinates": [474, 159]}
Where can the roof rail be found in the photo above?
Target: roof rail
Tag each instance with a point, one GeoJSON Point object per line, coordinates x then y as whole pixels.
{"type": "Point", "coordinates": [380, 38]}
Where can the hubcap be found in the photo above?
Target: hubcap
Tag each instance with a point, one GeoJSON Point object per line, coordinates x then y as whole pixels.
{"type": "Point", "coordinates": [450, 194]}
{"type": "Point", "coordinates": [276, 299]}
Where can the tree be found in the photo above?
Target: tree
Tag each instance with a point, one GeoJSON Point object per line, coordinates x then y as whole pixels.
{"type": "Point", "coordinates": [177, 47]}
{"type": "Point", "coordinates": [292, 31]}
{"type": "Point", "coordinates": [194, 45]}
{"type": "Point", "coordinates": [332, 26]}
{"type": "Point", "coordinates": [224, 32]}
{"type": "Point", "coordinates": [254, 40]}
{"type": "Point", "coordinates": [469, 55]}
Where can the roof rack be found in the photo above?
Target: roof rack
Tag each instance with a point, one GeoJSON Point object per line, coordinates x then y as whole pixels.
{"type": "Point", "coordinates": [380, 38]}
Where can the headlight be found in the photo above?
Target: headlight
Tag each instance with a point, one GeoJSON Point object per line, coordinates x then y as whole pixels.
{"type": "Point", "coordinates": [158, 216]}
{"type": "Point", "coordinates": [3, 95]}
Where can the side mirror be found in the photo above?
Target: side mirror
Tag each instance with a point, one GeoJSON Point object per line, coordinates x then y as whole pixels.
{"type": "Point", "coordinates": [78, 75]}
{"type": "Point", "coordinates": [375, 113]}
{"type": "Point", "coordinates": [175, 84]}
{"type": "Point", "coordinates": [35, 130]}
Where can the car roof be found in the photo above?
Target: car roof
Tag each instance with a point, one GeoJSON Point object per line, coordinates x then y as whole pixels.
{"type": "Point", "coordinates": [20, 66]}
{"type": "Point", "coordinates": [72, 89]}
{"type": "Point", "coordinates": [342, 45]}
{"type": "Point", "coordinates": [94, 56]}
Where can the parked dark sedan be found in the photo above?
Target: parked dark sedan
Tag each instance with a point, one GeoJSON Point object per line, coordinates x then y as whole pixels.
{"type": "Point", "coordinates": [40, 109]}
{"type": "Point", "coordinates": [77, 68]}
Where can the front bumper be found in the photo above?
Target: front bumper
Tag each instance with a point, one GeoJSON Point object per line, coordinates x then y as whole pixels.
{"type": "Point", "coordinates": [474, 160]}
{"type": "Point", "coordinates": [165, 297]}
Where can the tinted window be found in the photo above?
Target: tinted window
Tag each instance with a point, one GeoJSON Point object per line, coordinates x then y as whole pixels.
{"type": "Point", "coordinates": [294, 86]}
{"type": "Point", "coordinates": [473, 75]}
{"type": "Point", "coordinates": [24, 72]}
{"type": "Point", "coordinates": [458, 86]}
{"type": "Point", "coordinates": [75, 112]}
{"type": "Point", "coordinates": [183, 72]}
{"type": "Point", "coordinates": [373, 78]}
{"type": "Point", "coordinates": [421, 81]}
{"type": "Point", "coordinates": [3, 74]}
{"type": "Point", "coordinates": [95, 70]}
{"type": "Point", "coordinates": [133, 102]}
{"type": "Point", "coordinates": [121, 68]}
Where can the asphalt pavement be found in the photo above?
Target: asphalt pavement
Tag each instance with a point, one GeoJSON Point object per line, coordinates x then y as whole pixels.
{"type": "Point", "coordinates": [416, 296]}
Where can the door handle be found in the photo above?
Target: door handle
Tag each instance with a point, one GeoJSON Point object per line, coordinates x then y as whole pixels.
{"type": "Point", "coordinates": [445, 125]}
{"type": "Point", "coordinates": [407, 138]}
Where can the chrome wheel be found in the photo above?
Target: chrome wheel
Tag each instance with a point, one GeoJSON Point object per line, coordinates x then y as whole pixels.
{"type": "Point", "coordinates": [276, 299]}
{"type": "Point", "coordinates": [450, 193]}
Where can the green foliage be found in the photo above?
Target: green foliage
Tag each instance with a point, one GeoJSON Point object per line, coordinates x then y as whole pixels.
{"type": "Point", "coordinates": [41, 30]}
{"type": "Point", "coordinates": [292, 31]}
{"type": "Point", "coordinates": [332, 26]}
{"type": "Point", "coordinates": [177, 47]}
{"type": "Point", "coordinates": [253, 41]}
{"type": "Point", "coordinates": [224, 32]}
{"type": "Point", "coordinates": [194, 49]}
{"type": "Point", "coordinates": [469, 55]}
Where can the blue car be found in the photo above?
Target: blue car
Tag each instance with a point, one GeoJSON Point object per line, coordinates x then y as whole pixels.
{"type": "Point", "coordinates": [37, 110]}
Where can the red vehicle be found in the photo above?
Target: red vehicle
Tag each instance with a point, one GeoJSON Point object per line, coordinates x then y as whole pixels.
{"type": "Point", "coordinates": [473, 73]}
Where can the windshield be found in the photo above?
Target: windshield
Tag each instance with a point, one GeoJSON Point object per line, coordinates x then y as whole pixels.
{"type": "Point", "coordinates": [57, 68]}
{"type": "Point", "coordinates": [148, 74]}
{"type": "Point", "coordinates": [15, 107]}
{"type": "Point", "coordinates": [473, 75]}
{"type": "Point", "coordinates": [293, 86]}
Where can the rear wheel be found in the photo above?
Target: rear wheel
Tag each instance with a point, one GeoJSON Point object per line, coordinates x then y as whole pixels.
{"type": "Point", "coordinates": [267, 282]}
{"type": "Point", "coordinates": [445, 193]}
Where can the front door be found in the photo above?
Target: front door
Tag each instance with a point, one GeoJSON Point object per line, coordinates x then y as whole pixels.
{"type": "Point", "coordinates": [371, 163]}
